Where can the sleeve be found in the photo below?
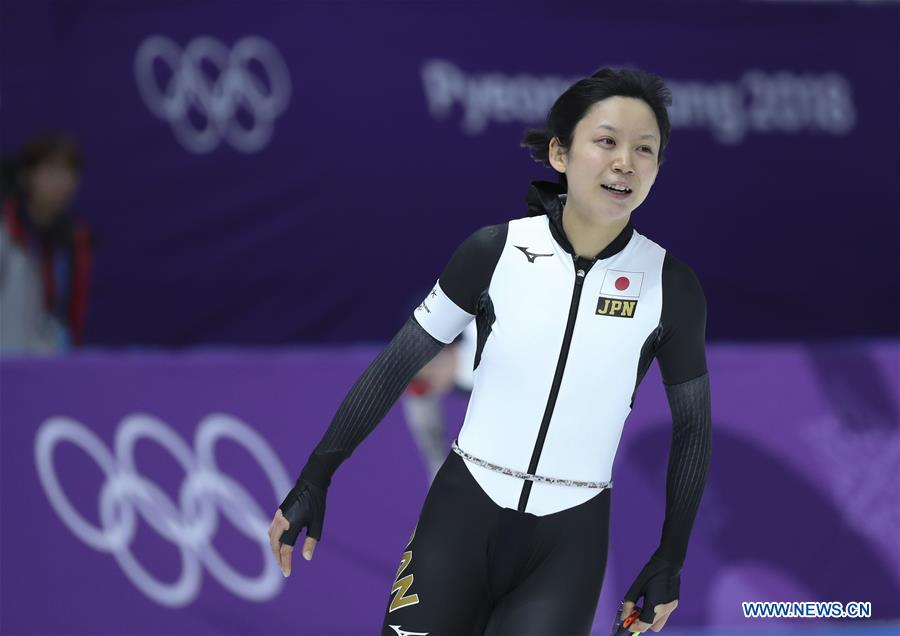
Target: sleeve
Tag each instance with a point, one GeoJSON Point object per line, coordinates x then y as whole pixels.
{"type": "Point", "coordinates": [453, 302]}
{"type": "Point", "coordinates": [682, 362]}
{"type": "Point", "coordinates": [369, 400]}
{"type": "Point", "coordinates": [81, 277]}
{"type": "Point", "coordinates": [447, 309]}
{"type": "Point", "coordinates": [681, 352]}
{"type": "Point", "coordinates": [688, 468]}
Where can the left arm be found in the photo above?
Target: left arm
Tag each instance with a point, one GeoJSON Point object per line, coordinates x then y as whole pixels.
{"type": "Point", "coordinates": [682, 361]}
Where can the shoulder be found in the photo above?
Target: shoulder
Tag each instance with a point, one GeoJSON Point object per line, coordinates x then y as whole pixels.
{"type": "Point", "coordinates": [485, 242]}
{"type": "Point", "coordinates": [471, 267]}
{"type": "Point", "coordinates": [679, 280]}
{"type": "Point", "coordinates": [489, 235]}
{"type": "Point", "coordinates": [682, 353]}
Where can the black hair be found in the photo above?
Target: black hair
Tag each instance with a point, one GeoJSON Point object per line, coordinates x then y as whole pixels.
{"type": "Point", "coordinates": [49, 147]}
{"type": "Point", "coordinates": [570, 107]}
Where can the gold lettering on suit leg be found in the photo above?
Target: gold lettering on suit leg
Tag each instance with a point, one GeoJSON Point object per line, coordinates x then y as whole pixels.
{"type": "Point", "coordinates": [401, 586]}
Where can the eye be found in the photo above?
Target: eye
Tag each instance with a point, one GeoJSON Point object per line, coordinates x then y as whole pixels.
{"type": "Point", "coordinates": [604, 141]}
{"type": "Point", "coordinates": [646, 149]}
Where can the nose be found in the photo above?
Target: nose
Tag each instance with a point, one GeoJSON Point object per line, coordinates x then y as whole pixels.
{"type": "Point", "coordinates": [622, 164]}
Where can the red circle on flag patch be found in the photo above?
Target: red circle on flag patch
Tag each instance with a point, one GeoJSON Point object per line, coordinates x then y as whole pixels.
{"type": "Point", "coordinates": [622, 283]}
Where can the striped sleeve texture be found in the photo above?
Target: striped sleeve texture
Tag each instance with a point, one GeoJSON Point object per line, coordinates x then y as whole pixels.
{"type": "Point", "coordinates": [688, 464]}
{"type": "Point", "coordinates": [370, 398]}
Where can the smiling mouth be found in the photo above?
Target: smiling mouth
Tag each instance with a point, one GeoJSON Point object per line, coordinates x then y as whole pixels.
{"type": "Point", "coordinates": [616, 189]}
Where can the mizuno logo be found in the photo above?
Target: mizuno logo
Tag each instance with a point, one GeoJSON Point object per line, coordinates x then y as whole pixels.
{"type": "Point", "coordinates": [400, 632]}
{"type": "Point", "coordinates": [530, 255]}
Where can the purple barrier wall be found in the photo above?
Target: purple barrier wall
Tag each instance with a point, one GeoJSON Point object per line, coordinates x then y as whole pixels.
{"type": "Point", "coordinates": [136, 491]}
{"type": "Point", "coordinates": [298, 171]}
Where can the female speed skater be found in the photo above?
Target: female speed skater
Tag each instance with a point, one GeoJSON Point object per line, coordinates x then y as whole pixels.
{"type": "Point", "coordinates": [571, 306]}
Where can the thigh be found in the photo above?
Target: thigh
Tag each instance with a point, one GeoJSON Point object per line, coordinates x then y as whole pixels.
{"type": "Point", "coordinates": [441, 585]}
{"type": "Point", "coordinates": [559, 595]}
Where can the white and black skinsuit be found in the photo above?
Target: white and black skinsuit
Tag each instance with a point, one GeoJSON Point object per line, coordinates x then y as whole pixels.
{"type": "Point", "coordinates": [512, 537]}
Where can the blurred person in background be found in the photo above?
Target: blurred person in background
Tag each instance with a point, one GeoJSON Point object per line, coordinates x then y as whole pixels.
{"type": "Point", "coordinates": [571, 306]}
{"type": "Point", "coordinates": [423, 401]}
{"type": "Point", "coordinates": [45, 254]}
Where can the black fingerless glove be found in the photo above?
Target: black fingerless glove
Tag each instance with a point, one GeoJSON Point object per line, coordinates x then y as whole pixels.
{"type": "Point", "coordinates": [304, 507]}
{"type": "Point", "coordinates": [659, 583]}
{"type": "Point", "coordinates": [369, 400]}
{"type": "Point", "coordinates": [660, 580]}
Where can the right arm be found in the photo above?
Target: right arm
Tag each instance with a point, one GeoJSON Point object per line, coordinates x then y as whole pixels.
{"type": "Point", "coordinates": [371, 397]}
{"type": "Point", "coordinates": [444, 313]}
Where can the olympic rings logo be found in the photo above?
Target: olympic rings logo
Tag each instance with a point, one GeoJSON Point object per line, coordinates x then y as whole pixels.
{"type": "Point", "coordinates": [251, 79]}
{"type": "Point", "coordinates": [190, 523]}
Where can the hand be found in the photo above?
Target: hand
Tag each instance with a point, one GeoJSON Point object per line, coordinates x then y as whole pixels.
{"type": "Point", "coordinates": [661, 615]}
{"type": "Point", "coordinates": [304, 507]}
{"type": "Point", "coordinates": [659, 583]}
{"type": "Point", "coordinates": [283, 551]}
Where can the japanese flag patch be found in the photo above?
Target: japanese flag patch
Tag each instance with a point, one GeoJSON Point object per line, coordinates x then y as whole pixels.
{"type": "Point", "coordinates": [619, 284]}
{"type": "Point", "coordinates": [619, 293]}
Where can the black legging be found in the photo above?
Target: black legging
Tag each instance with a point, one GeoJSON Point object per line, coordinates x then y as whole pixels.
{"type": "Point", "coordinates": [473, 568]}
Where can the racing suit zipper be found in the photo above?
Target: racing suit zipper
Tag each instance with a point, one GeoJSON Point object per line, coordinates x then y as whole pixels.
{"type": "Point", "coordinates": [582, 265]}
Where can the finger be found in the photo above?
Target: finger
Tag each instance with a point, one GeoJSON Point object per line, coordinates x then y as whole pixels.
{"type": "Point", "coordinates": [273, 547]}
{"type": "Point", "coordinates": [285, 561]}
{"type": "Point", "coordinates": [648, 616]}
{"type": "Point", "coordinates": [309, 547]}
{"type": "Point", "coordinates": [273, 541]}
{"type": "Point", "coordinates": [639, 626]}
{"type": "Point", "coordinates": [665, 607]}
{"type": "Point", "coordinates": [627, 608]}
{"type": "Point", "coordinates": [280, 525]}
{"type": "Point", "coordinates": [662, 615]}
{"type": "Point", "coordinates": [280, 521]}
{"type": "Point", "coordinates": [658, 625]}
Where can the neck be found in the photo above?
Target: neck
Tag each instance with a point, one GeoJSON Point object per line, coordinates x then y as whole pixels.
{"type": "Point", "coordinates": [40, 213]}
{"type": "Point", "coordinates": [588, 236]}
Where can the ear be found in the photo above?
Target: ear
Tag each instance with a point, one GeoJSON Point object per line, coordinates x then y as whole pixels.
{"type": "Point", "coordinates": [557, 155]}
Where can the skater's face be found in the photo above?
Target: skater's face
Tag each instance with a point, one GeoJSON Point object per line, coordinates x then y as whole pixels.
{"type": "Point", "coordinates": [615, 145]}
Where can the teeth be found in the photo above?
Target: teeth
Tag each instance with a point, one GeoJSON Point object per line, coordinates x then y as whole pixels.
{"type": "Point", "coordinates": [618, 188]}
